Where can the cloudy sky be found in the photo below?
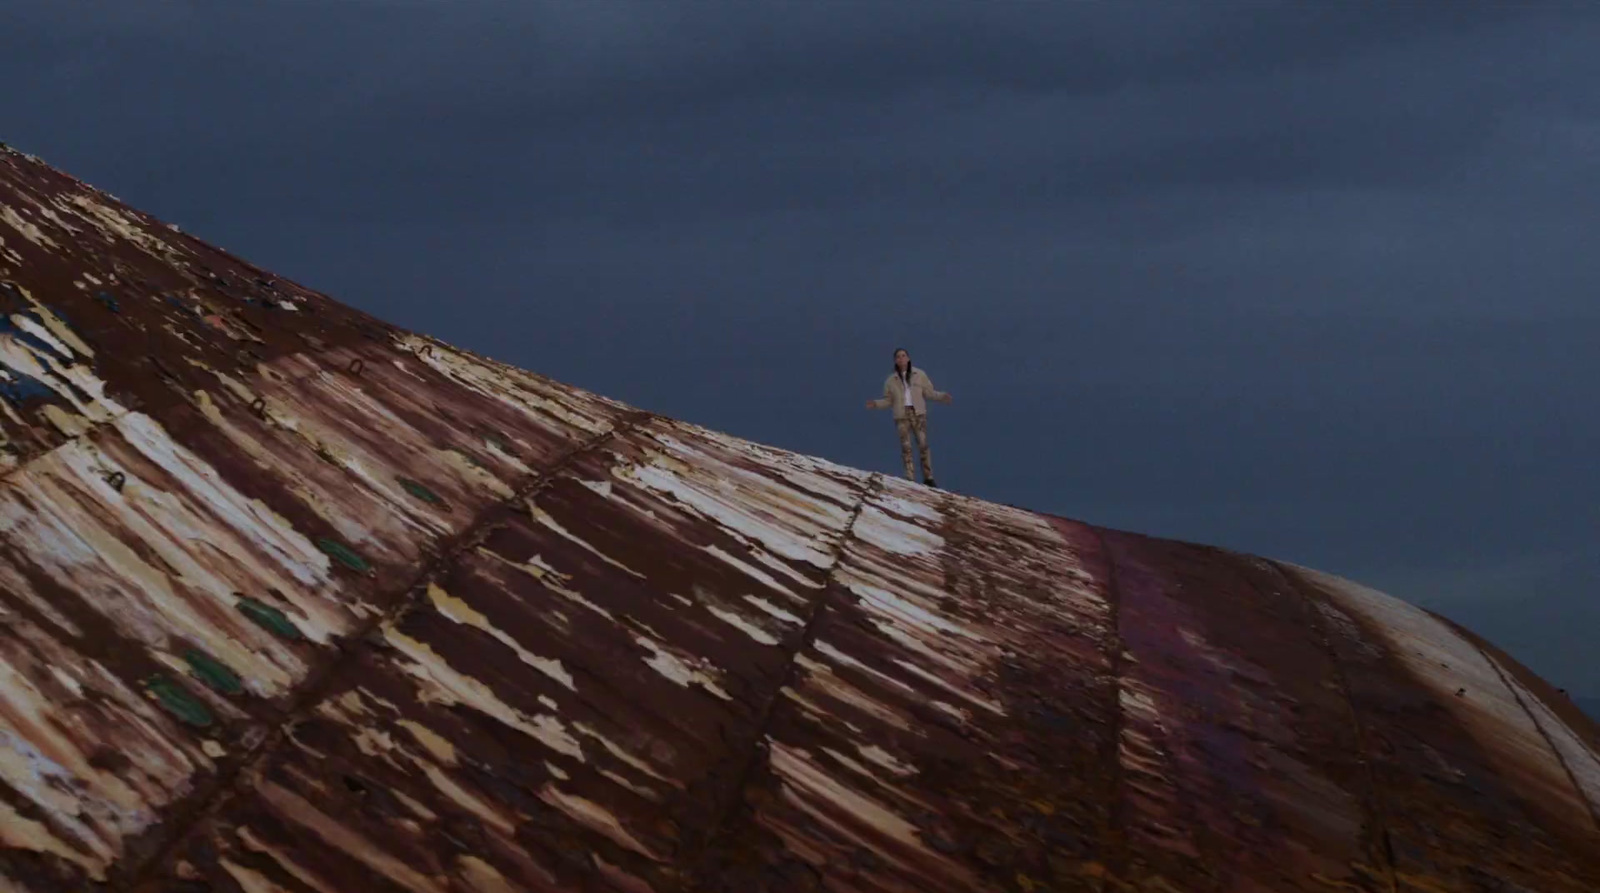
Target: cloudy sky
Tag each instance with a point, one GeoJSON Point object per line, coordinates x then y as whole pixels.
{"type": "Point", "coordinates": [1318, 281]}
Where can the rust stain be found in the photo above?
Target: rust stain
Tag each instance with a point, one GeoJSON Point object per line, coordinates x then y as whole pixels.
{"type": "Point", "coordinates": [292, 600]}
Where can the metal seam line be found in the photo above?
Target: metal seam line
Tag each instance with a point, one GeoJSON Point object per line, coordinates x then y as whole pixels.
{"type": "Point", "coordinates": [1376, 803]}
{"type": "Point", "coordinates": [1572, 778]}
{"type": "Point", "coordinates": [1114, 835]}
{"type": "Point", "coordinates": [318, 681]}
{"type": "Point", "coordinates": [807, 636]}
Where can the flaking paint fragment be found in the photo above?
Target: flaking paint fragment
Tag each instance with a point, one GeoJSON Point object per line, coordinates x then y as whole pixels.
{"type": "Point", "coordinates": [735, 620]}
{"type": "Point", "coordinates": [551, 579]}
{"type": "Point", "coordinates": [445, 684]}
{"type": "Point", "coordinates": [617, 751]}
{"type": "Point", "coordinates": [774, 610]}
{"type": "Point", "coordinates": [678, 670]}
{"type": "Point", "coordinates": [751, 571]}
{"type": "Point", "coordinates": [593, 816]}
{"type": "Point", "coordinates": [463, 613]}
{"type": "Point", "coordinates": [436, 745]}
{"type": "Point", "coordinates": [291, 807]}
{"type": "Point", "coordinates": [883, 531]}
{"type": "Point", "coordinates": [481, 877]}
{"type": "Point", "coordinates": [544, 518]}
{"type": "Point", "coordinates": [254, 844]}
{"type": "Point", "coordinates": [19, 832]}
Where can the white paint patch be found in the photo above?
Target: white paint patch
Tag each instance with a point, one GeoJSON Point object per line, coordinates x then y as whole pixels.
{"type": "Point", "coordinates": [49, 371]}
{"type": "Point", "coordinates": [444, 684]}
{"type": "Point", "coordinates": [26, 324]}
{"type": "Point", "coordinates": [482, 476]}
{"type": "Point", "coordinates": [113, 222]}
{"type": "Point", "coordinates": [882, 601]}
{"type": "Point", "coordinates": [876, 528]}
{"type": "Point", "coordinates": [463, 613]}
{"type": "Point", "coordinates": [751, 571]}
{"type": "Point", "coordinates": [839, 657]}
{"type": "Point", "coordinates": [823, 681]}
{"type": "Point", "coordinates": [908, 508]}
{"type": "Point", "coordinates": [973, 699]}
{"type": "Point", "coordinates": [853, 816]}
{"type": "Point", "coordinates": [511, 387]}
{"type": "Point", "coordinates": [773, 610]}
{"type": "Point", "coordinates": [735, 511]}
{"type": "Point", "coordinates": [965, 665]}
{"type": "Point", "coordinates": [679, 671]}
{"type": "Point", "coordinates": [596, 818]}
{"type": "Point", "coordinates": [551, 579]}
{"type": "Point", "coordinates": [506, 457]}
{"type": "Point", "coordinates": [742, 625]}
{"type": "Point", "coordinates": [543, 517]}
{"type": "Point", "coordinates": [29, 231]}
{"type": "Point", "coordinates": [251, 518]}
{"type": "Point", "coordinates": [880, 757]}
{"type": "Point", "coordinates": [617, 751]}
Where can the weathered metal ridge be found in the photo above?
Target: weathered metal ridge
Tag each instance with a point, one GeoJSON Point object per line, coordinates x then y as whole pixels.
{"type": "Point", "coordinates": [292, 600]}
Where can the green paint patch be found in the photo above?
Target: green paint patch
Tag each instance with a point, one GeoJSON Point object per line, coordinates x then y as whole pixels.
{"type": "Point", "coordinates": [213, 672]}
{"type": "Point", "coordinates": [343, 554]}
{"type": "Point", "coordinates": [178, 702]}
{"type": "Point", "coordinates": [269, 618]}
{"type": "Point", "coordinates": [421, 492]}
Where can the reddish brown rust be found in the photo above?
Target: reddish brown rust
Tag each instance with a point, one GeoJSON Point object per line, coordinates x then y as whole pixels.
{"type": "Point", "coordinates": [296, 601]}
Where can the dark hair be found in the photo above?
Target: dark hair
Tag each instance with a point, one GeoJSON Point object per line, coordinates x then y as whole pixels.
{"type": "Point", "coordinates": [906, 376]}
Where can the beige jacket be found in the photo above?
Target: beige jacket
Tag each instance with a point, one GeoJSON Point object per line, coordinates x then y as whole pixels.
{"type": "Point", "coordinates": [894, 394]}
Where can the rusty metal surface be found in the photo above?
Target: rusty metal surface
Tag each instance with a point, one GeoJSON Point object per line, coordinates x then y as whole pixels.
{"type": "Point", "coordinates": [291, 600]}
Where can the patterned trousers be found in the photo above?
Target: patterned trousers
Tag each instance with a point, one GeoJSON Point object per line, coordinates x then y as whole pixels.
{"type": "Point", "coordinates": [915, 424]}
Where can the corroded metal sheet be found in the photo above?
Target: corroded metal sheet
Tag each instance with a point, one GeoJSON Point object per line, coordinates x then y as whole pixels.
{"type": "Point", "coordinates": [1237, 738]}
{"type": "Point", "coordinates": [291, 600]}
{"type": "Point", "coordinates": [950, 721]}
{"type": "Point", "coordinates": [1474, 796]}
{"type": "Point", "coordinates": [573, 696]}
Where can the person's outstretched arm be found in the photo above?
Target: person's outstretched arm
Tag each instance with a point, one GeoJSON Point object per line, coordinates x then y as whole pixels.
{"type": "Point", "coordinates": [883, 403]}
{"type": "Point", "coordinates": [928, 393]}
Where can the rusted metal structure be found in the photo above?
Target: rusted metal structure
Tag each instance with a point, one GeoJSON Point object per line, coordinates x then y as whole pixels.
{"type": "Point", "coordinates": [292, 600]}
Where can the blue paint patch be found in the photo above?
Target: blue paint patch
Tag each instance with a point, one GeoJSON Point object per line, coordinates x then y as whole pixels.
{"type": "Point", "coordinates": [7, 327]}
{"type": "Point", "coordinates": [25, 387]}
{"type": "Point", "coordinates": [107, 299]}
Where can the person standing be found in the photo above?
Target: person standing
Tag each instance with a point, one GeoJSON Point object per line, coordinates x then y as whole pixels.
{"type": "Point", "coordinates": [907, 391]}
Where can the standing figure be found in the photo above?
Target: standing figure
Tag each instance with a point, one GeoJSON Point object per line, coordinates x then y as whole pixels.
{"type": "Point", "coordinates": [907, 391]}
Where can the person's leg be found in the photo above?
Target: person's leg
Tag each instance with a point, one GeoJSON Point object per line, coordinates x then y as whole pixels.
{"type": "Point", "coordinates": [922, 445]}
{"type": "Point", "coordinates": [904, 427]}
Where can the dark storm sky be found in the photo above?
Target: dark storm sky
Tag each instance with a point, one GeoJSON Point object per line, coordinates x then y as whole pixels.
{"type": "Point", "coordinates": [1319, 281]}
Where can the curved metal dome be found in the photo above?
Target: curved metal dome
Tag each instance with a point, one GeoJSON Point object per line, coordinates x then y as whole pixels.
{"type": "Point", "coordinates": [292, 600]}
